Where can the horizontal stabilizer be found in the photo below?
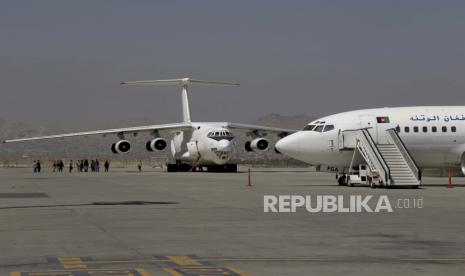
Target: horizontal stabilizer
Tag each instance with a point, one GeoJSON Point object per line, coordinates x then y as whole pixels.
{"type": "Point", "coordinates": [182, 82]}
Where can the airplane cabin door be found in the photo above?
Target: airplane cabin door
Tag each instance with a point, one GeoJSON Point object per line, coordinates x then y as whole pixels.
{"type": "Point", "coordinates": [381, 128]}
{"type": "Point", "coordinates": [369, 122]}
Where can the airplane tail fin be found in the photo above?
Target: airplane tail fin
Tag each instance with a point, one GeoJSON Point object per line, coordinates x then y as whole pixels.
{"type": "Point", "coordinates": [184, 83]}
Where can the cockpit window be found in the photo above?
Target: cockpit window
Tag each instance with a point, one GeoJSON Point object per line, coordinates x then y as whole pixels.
{"type": "Point", "coordinates": [223, 133]}
{"type": "Point", "coordinates": [309, 127]}
{"type": "Point", "coordinates": [319, 128]}
{"type": "Point", "coordinates": [328, 128]}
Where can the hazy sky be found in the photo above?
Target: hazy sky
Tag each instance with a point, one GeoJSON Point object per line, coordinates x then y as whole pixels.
{"type": "Point", "coordinates": [62, 61]}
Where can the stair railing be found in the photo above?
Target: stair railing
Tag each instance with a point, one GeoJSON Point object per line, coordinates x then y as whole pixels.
{"type": "Point", "coordinates": [405, 153]}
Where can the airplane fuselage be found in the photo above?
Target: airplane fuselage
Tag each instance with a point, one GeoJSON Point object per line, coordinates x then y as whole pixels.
{"type": "Point", "coordinates": [434, 135]}
{"type": "Point", "coordinates": [204, 144]}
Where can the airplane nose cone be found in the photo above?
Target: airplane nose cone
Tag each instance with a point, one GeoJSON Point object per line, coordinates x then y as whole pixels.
{"type": "Point", "coordinates": [224, 145]}
{"type": "Point", "coordinates": [289, 145]}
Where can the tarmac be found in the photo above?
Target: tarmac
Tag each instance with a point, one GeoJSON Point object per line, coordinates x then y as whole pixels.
{"type": "Point", "coordinates": [157, 223]}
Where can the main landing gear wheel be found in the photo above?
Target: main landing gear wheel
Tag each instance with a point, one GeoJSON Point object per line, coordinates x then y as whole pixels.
{"type": "Point", "coordinates": [342, 181]}
{"type": "Point", "coordinates": [180, 167]}
{"type": "Point", "coordinates": [172, 168]}
{"type": "Point", "coordinates": [222, 168]}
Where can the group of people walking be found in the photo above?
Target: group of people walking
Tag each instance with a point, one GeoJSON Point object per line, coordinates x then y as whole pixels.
{"type": "Point", "coordinates": [80, 165]}
{"type": "Point", "coordinates": [58, 166]}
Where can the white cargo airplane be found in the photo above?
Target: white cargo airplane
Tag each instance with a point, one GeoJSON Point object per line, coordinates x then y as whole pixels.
{"type": "Point", "coordinates": [194, 145]}
{"type": "Point", "coordinates": [396, 142]}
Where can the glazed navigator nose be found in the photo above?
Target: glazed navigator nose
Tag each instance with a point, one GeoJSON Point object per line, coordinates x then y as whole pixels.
{"type": "Point", "coordinates": [224, 145]}
{"type": "Point", "coordinates": [289, 145]}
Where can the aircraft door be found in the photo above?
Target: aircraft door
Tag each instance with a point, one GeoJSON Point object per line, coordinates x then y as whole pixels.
{"type": "Point", "coordinates": [369, 122]}
{"type": "Point", "coordinates": [382, 134]}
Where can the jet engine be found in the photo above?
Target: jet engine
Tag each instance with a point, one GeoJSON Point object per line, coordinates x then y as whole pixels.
{"type": "Point", "coordinates": [122, 146]}
{"type": "Point", "coordinates": [157, 144]}
{"type": "Point", "coordinates": [258, 144]}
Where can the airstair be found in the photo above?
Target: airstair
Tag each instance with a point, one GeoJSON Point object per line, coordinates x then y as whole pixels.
{"type": "Point", "coordinates": [391, 159]}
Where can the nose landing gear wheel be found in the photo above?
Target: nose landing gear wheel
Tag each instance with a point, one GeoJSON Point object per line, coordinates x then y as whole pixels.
{"type": "Point", "coordinates": [342, 181]}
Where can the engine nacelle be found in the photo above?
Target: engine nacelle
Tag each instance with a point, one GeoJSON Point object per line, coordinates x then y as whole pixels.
{"type": "Point", "coordinates": [122, 146]}
{"type": "Point", "coordinates": [157, 144]}
{"type": "Point", "coordinates": [258, 144]}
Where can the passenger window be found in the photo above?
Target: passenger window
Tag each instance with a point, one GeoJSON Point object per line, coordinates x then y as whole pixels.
{"type": "Point", "coordinates": [406, 129]}
{"type": "Point", "coordinates": [398, 129]}
{"type": "Point", "coordinates": [415, 129]}
{"type": "Point", "coordinates": [434, 129]}
{"type": "Point", "coordinates": [319, 128]}
{"type": "Point", "coordinates": [308, 127]}
{"type": "Point", "coordinates": [444, 129]}
{"type": "Point", "coordinates": [425, 129]}
{"type": "Point", "coordinates": [328, 128]}
{"type": "Point", "coordinates": [453, 129]}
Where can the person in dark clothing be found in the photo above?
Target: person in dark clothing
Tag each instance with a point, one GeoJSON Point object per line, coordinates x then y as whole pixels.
{"type": "Point", "coordinates": [55, 163]}
{"type": "Point", "coordinates": [139, 165]}
{"type": "Point", "coordinates": [86, 165]}
{"type": "Point", "coordinates": [107, 166]}
{"type": "Point", "coordinates": [38, 166]}
{"type": "Point", "coordinates": [92, 165]}
{"type": "Point", "coordinates": [97, 165]}
{"type": "Point", "coordinates": [71, 166]}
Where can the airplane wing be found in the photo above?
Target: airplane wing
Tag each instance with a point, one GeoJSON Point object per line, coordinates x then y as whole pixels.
{"type": "Point", "coordinates": [119, 131]}
{"type": "Point", "coordinates": [260, 130]}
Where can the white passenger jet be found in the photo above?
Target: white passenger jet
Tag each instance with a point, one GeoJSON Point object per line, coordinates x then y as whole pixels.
{"type": "Point", "coordinates": [394, 142]}
{"type": "Point", "coordinates": [193, 145]}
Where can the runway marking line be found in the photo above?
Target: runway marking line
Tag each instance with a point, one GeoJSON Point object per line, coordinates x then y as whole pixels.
{"type": "Point", "coordinates": [190, 267]}
{"type": "Point", "coordinates": [91, 272]}
{"type": "Point", "coordinates": [183, 260]}
{"type": "Point", "coordinates": [172, 272]}
{"type": "Point", "coordinates": [203, 270]}
{"type": "Point", "coordinates": [72, 262]}
{"type": "Point", "coordinates": [238, 272]}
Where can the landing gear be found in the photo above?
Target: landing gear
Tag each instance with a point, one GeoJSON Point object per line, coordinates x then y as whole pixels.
{"type": "Point", "coordinates": [172, 168]}
{"type": "Point", "coordinates": [222, 168]}
{"type": "Point", "coordinates": [181, 167]}
{"type": "Point", "coordinates": [342, 180]}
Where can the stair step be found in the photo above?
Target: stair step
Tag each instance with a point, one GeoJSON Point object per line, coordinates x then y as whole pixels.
{"type": "Point", "coordinates": [404, 179]}
{"type": "Point", "coordinates": [402, 175]}
{"type": "Point", "coordinates": [393, 158]}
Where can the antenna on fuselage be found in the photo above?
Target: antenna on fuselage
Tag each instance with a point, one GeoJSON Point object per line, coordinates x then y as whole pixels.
{"type": "Point", "coordinates": [184, 83]}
